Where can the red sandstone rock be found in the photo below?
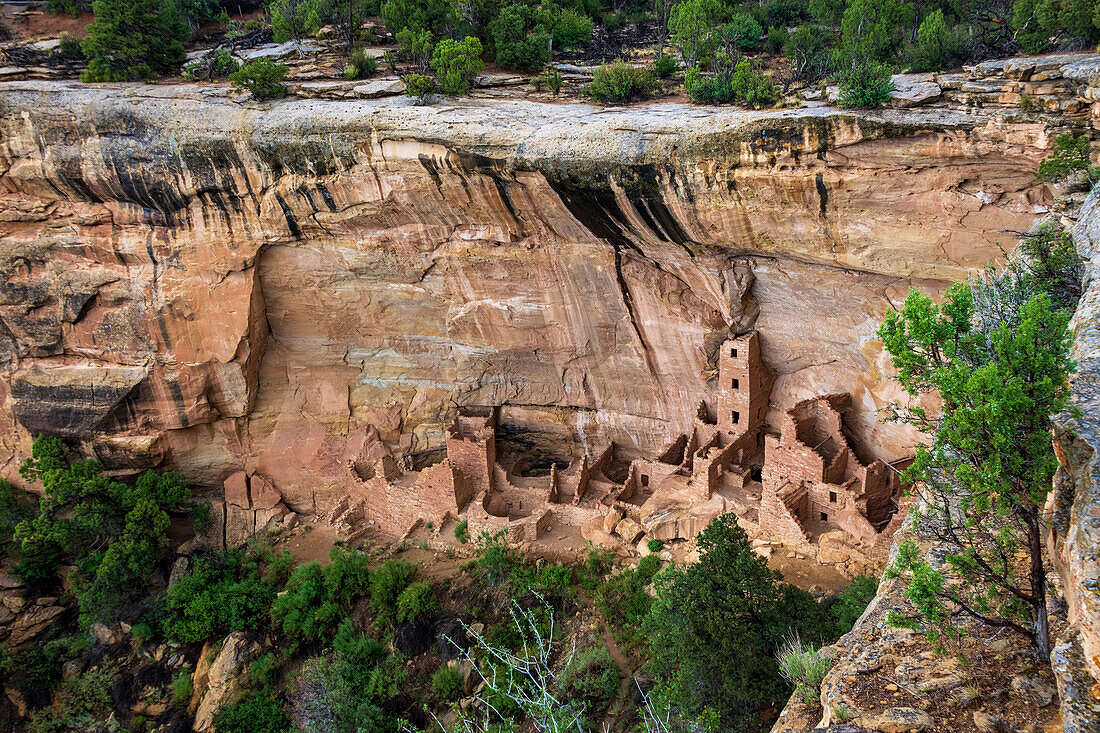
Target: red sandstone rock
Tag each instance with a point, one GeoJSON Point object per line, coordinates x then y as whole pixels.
{"type": "Point", "coordinates": [236, 490]}
{"type": "Point", "coordinates": [264, 494]}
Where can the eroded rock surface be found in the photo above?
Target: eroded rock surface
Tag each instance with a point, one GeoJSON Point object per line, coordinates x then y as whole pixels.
{"type": "Point", "coordinates": [214, 286]}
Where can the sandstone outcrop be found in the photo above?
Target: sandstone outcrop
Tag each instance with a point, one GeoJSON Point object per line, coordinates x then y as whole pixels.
{"type": "Point", "coordinates": [200, 283]}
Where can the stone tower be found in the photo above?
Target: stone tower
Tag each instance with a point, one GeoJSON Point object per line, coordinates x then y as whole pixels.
{"type": "Point", "coordinates": [744, 386]}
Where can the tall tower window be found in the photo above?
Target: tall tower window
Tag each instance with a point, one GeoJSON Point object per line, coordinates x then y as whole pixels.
{"type": "Point", "coordinates": [736, 384]}
{"type": "Point", "coordinates": [733, 353]}
{"type": "Point", "coordinates": [736, 416]}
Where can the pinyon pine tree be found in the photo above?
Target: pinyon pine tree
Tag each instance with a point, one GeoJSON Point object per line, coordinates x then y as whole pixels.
{"type": "Point", "coordinates": [997, 354]}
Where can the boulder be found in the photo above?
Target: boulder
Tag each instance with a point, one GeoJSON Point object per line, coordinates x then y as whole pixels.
{"type": "Point", "coordinates": [379, 88]}
{"type": "Point", "coordinates": [630, 531]}
{"type": "Point", "coordinates": [224, 681]}
{"type": "Point", "coordinates": [614, 516]}
{"type": "Point", "coordinates": [236, 490]}
{"type": "Point", "coordinates": [912, 90]}
{"type": "Point", "coordinates": [1034, 689]}
{"type": "Point", "coordinates": [33, 621]}
{"type": "Point", "coordinates": [263, 492]}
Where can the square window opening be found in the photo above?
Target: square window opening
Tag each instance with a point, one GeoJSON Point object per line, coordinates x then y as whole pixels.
{"type": "Point", "coordinates": [824, 517]}
{"type": "Point", "coordinates": [736, 384]}
{"type": "Point", "coordinates": [832, 497]}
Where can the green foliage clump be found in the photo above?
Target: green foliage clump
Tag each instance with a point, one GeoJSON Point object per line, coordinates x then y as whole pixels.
{"type": "Point", "coordinates": [114, 532]}
{"type": "Point", "coordinates": [462, 531]}
{"type": "Point", "coordinates": [256, 712]}
{"type": "Point", "coordinates": [571, 30]}
{"type": "Point", "coordinates": [875, 30]}
{"type": "Point", "coordinates": [294, 19]}
{"type": "Point", "coordinates": [71, 7]}
{"type": "Point", "coordinates": [997, 354]}
{"type": "Point", "coordinates": [624, 602]}
{"type": "Point", "coordinates": [851, 602]}
{"type": "Point", "coordinates": [741, 33]}
{"type": "Point", "coordinates": [591, 681]}
{"type": "Point", "coordinates": [716, 626]}
{"type": "Point", "coordinates": [420, 86]}
{"type": "Point", "coordinates": [349, 688]}
{"type": "Point", "coordinates": [182, 688]}
{"type": "Point", "coordinates": [417, 605]}
{"type": "Point", "coordinates": [360, 65]}
{"type": "Point", "coordinates": [447, 684]}
{"type": "Point", "coordinates": [1050, 264]}
{"type": "Point", "coordinates": [457, 64]}
{"type": "Point", "coordinates": [933, 42]}
{"type": "Point", "coordinates": [1071, 157]}
{"type": "Point", "coordinates": [665, 66]}
{"type": "Point", "coordinates": [134, 39]}
{"type": "Point", "coordinates": [522, 41]}
{"type": "Point", "coordinates": [866, 84]}
{"type": "Point", "coordinates": [804, 668]}
{"type": "Point", "coordinates": [224, 593]}
{"type": "Point", "coordinates": [499, 564]}
{"type": "Point", "coordinates": [743, 85]}
{"type": "Point", "coordinates": [389, 580]}
{"type": "Point", "coordinates": [263, 77]}
{"type": "Point", "coordinates": [692, 25]}
{"type": "Point", "coordinates": [808, 52]}
{"type": "Point", "coordinates": [220, 66]}
{"type": "Point", "coordinates": [347, 17]}
{"type": "Point", "coordinates": [551, 78]}
{"type": "Point", "coordinates": [621, 82]}
{"type": "Point", "coordinates": [316, 599]}
{"type": "Point", "coordinates": [1038, 22]}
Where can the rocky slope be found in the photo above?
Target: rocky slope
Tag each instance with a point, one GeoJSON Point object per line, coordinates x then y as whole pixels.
{"type": "Point", "coordinates": [211, 285]}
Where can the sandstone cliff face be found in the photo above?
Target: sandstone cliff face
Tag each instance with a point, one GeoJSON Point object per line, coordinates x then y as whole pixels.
{"type": "Point", "coordinates": [213, 286]}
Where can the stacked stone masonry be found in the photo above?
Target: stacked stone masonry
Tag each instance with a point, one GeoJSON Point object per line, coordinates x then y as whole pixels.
{"type": "Point", "coordinates": [804, 487]}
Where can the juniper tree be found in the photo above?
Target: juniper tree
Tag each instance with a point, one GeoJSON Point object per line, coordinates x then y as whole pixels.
{"type": "Point", "coordinates": [984, 477]}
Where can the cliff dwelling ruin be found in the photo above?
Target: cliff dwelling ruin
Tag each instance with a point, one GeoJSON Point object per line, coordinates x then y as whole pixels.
{"type": "Point", "coordinates": [803, 487]}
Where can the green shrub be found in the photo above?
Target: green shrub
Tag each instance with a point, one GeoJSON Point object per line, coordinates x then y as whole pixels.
{"type": "Point", "coordinates": [655, 546]}
{"type": "Point", "coordinates": [665, 66]}
{"type": "Point", "coordinates": [716, 625]}
{"type": "Point", "coordinates": [389, 580]}
{"type": "Point", "coordinates": [447, 684]}
{"type": "Point", "coordinates": [112, 531]}
{"type": "Point", "coordinates": [263, 77]}
{"type": "Point", "coordinates": [572, 30]}
{"type": "Point", "coordinates": [222, 594]}
{"type": "Point", "coordinates": [419, 86]}
{"type": "Point", "coordinates": [521, 41]}
{"type": "Point", "coordinates": [866, 84]}
{"type": "Point", "coordinates": [591, 680]}
{"type": "Point", "coordinates": [804, 668]}
{"type": "Point", "coordinates": [457, 64]}
{"type": "Point", "coordinates": [620, 82]}
{"type": "Point", "coordinates": [778, 36]}
{"type": "Point", "coordinates": [294, 19]}
{"type": "Point", "coordinates": [462, 531]}
{"type": "Point", "coordinates": [742, 33]}
{"type": "Point", "coordinates": [851, 602]}
{"type": "Point", "coordinates": [744, 85]}
{"type": "Point", "coordinates": [692, 24]}
{"type": "Point", "coordinates": [553, 80]}
{"type": "Point", "coordinates": [417, 604]}
{"type": "Point", "coordinates": [317, 599]}
{"type": "Point", "coordinates": [134, 39]}
{"type": "Point", "coordinates": [1070, 157]}
{"type": "Point", "coordinates": [182, 688]}
{"type": "Point", "coordinates": [220, 66]}
{"type": "Point", "coordinates": [257, 712]}
{"type": "Point", "coordinates": [361, 64]}
{"type": "Point", "coordinates": [648, 566]}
